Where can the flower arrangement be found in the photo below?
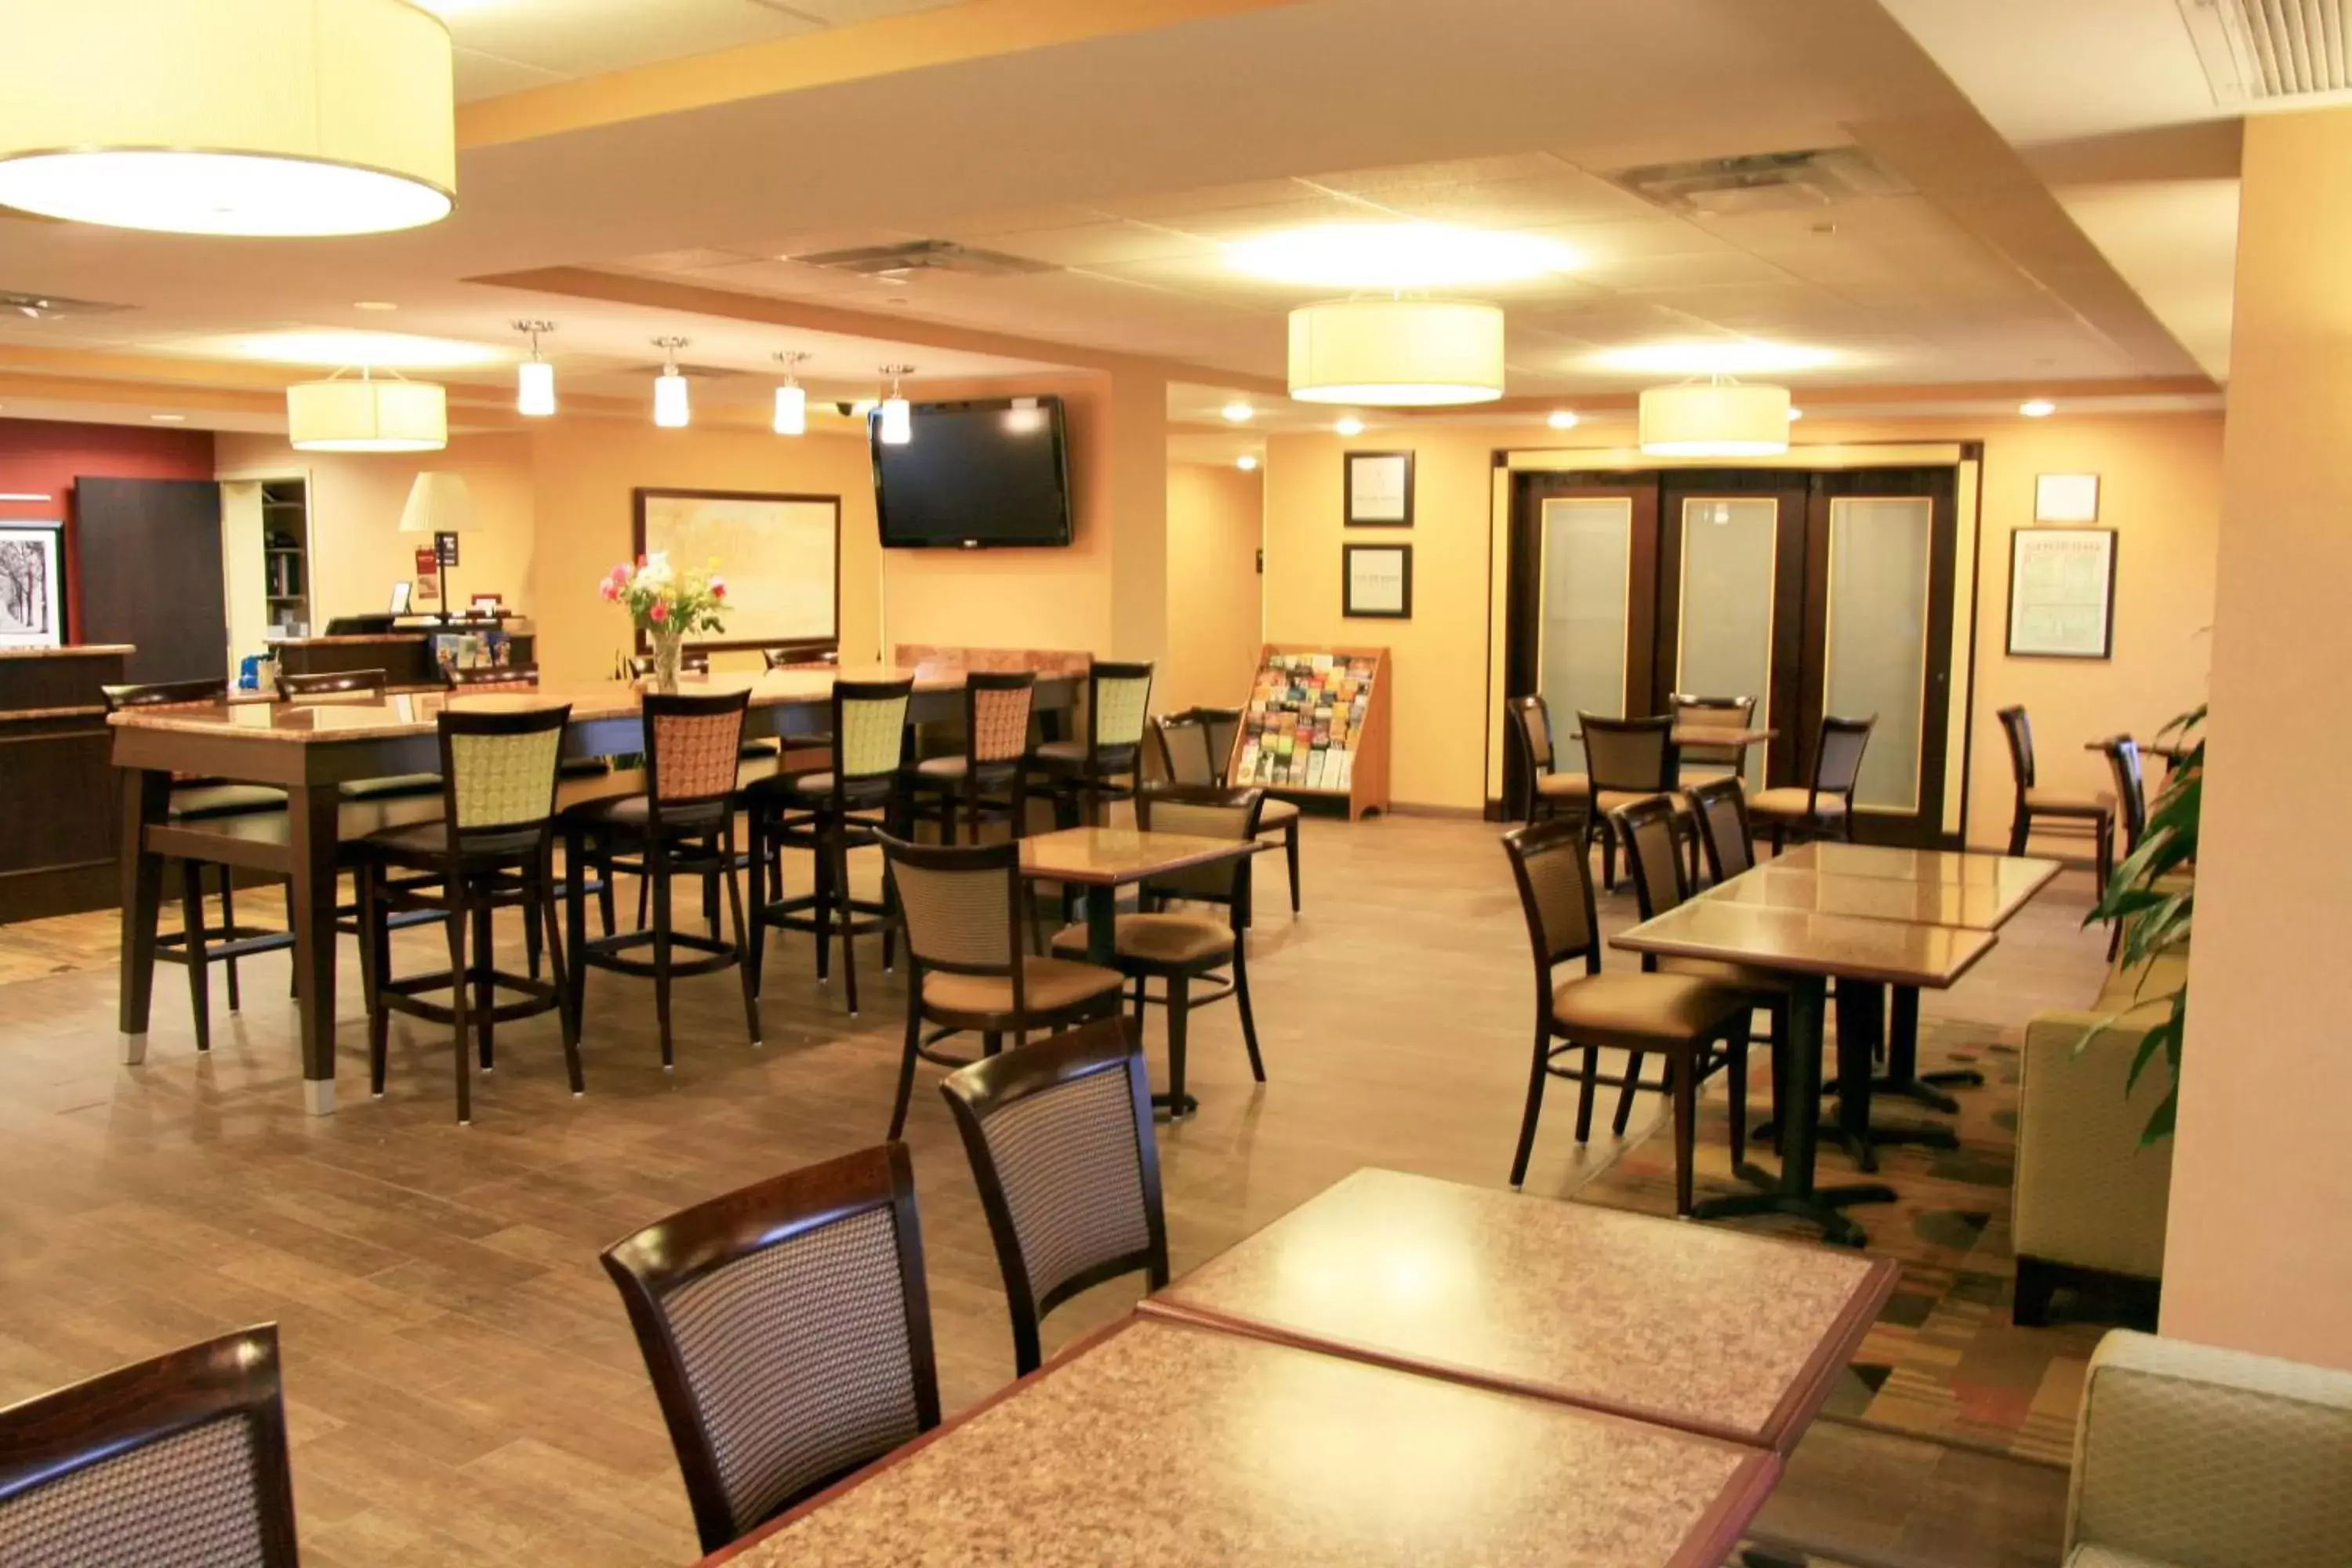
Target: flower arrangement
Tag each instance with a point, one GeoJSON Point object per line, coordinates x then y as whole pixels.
{"type": "Point", "coordinates": [666, 604]}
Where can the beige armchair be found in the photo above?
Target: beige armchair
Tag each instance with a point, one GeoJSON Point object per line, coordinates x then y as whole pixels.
{"type": "Point", "coordinates": [2090, 1200]}
{"type": "Point", "coordinates": [2189, 1457]}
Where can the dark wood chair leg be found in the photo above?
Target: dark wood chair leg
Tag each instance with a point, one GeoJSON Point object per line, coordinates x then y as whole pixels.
{"type": "Point", "coordinates": [576, 927]}
{"type": "Point", "coordinates": [906, 1061]}
{"type": "Point", "coordinates": [1249, 1015]}
{"type": "Point", "coordinates": [2036, 1283]}
{"type": "Point", "coordinates": [1625, 1095]}
{"type": "Point", "coordinates": [1179, 1021]}
{"type": "Point", "coordinates": [534, 959]}
{"type": "Point", "coordinates": [199, 967]}
{"type": "Point", "coordinates": [658, 868]}
{"type": "Point", "coordinates": [485, 988]}
{"type": "Point", "coordinates": [543, 913]}
{"type": "Point", "coordinates": [604, 899]}
{"type": "Point", "coordinates": [1735, 1092]}
{"type": "Point", "coordinates": [373, 950]}
{"type": "Point", "coordinates": [1685, 1074]}
{"type": "Point", "coordinates": [228, 924]}
{"type": "Point", "coordinates": [821, 859]}
{"type": "Point", "coordinates": [455, 928]}
{"type": "Point", "coordinates": [1290, 852]}
{"type": "Point", "coordinates": [1534, 1111]}
{"type": "Point", "coordinates": [840, 848]}
{"type": "Point", "coordinates": [2020, 828]}
{"type": "Point", "coordinates": [749, 975]}
{"type": "Point", "coordinates": [755, 941]}
{"type": "Point", "coordinates": [1588, 1088]}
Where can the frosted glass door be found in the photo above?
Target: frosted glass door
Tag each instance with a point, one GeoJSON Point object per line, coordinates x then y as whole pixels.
{"type": "Point", "coordinates": [1880, 551]}
{"type": "Point", "coordinates": [1730, 549]}
{"type": "Point", "coordinates": [1587, 550]}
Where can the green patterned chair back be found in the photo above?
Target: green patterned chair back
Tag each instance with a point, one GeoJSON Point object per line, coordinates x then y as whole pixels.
{"type": "Point", "coordinates": [693, 744]}
{"type": "Point", "coordinates": [870, 727]}
{"type": "Point", "coordinates": [1120, 695]}
{"type": "Point", "coordinates": [498, 769]}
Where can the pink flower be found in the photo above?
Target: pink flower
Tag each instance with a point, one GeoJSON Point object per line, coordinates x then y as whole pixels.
{"type": "Point", "coordinates": [641, 562]}
{"type": "Point", "coordinates": [620, 577]}
{"type": "Point", "coordinates": [658, 614]}
{"type": "Point", "coordinates": [609, 589]}
{"type": "Point", "coordinates": [718, 587]}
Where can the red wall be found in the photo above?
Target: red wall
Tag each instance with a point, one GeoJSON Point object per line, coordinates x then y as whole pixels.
{"type": "Point", "coordinates": [43, 457]}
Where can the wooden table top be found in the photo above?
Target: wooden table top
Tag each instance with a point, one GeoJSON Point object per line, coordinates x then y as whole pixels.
{"type": "Point", "coordinates": [1728, 1335]}
{"type": "Point", "coordinates": [1797, 941]}
{"type": "Point", "coordinates": [1918, 865]}
{"type": "Point", "coordinates": [1984, 905]}
{"type": "Point", "coordinates": [1163, 1443]}
{"type": "Point", "coordinates": [1116, 857]}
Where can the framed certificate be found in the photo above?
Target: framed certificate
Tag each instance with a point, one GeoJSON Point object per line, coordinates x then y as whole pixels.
{"type": "Point", "coordinates": [1376, 581]}
{"type": "Point", "coordinates": [2066, 498]}
{"type": "Point", "coordinates": [2061, 593]}
{"type": "Point", "coordinates": [1379, 489]}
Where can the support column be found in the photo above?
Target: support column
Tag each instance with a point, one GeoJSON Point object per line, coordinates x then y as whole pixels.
{"type": "Point", "coordinates": [1139, 515]}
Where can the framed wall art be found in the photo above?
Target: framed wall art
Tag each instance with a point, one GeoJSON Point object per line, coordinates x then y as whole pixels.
{"type": "Point", "coordinates": [780, 555]}
{"type": "Point", "coordinates": [32, 585]}
{"type": "Point", "coordinates": [2061, 593]}
{"type": "Point", "coordinates": [1379, 489]}
{"type": "Point", "coordinates": [1376, 581]}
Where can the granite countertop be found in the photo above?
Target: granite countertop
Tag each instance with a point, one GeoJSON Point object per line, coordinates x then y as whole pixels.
{"type": "Point", "coordinates": [78, 650]}
{"type": "Point", "coordinates": [273, 640]}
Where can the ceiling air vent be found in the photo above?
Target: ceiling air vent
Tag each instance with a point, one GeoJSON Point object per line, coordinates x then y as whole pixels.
{"type": "Point", "coordinates": [919, 256]}
{"type": "Point", "coordinates": [50, 307]}
{"type": "Point", "coordinates": [1762, 182]}
{"type": "Point", "coordinates": [2256, 51]}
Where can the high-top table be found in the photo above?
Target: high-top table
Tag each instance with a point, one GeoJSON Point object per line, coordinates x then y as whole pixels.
{"type": "Point", "coordinates": [1726, 1335]}
{"type": "Point", "coordinates": [311, 749]}
{"type": "Point", "coordinates": [1164, 1443]}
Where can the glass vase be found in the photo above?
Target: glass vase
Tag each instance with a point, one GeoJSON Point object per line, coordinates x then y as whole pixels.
{"type": "Point", "coordinates": [667, 646]}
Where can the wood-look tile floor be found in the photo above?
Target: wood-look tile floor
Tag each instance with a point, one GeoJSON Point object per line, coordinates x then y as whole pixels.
{"type": "Point", "coordinates": [461, 1384]}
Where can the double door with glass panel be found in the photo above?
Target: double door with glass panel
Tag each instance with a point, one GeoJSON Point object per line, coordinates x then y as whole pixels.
{"type": "Point", "coordinates": [1816, 594]}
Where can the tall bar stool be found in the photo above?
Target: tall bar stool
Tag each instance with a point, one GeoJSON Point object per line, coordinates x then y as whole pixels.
{"type": "Point", "coordinates": [1550, 793]}
{"type": "Point", "coordinates": [1694, 712]}
{"type": "Point", "coordinates": [1630, 760]}
{"type": "Point", "coordinates": [494, 848]}
{"type": "Point", "coordinates": [1824, 807]}
{"type": "Point", "coordinates": [847, 806]}
{"type": "Point", "coordinates": [990, 777]}
{"type": "Point", "coordinates": [340, 686]}
{"type": "Point", "coordinates": [1195, 750]}
{"type": "Point", "coordinates": [2049, 811]}
{"type": "Point", "coordinates": [683, 824]}
{"type": "Point", "coordinates": [198, 944]}
{"type": "Point", "coordinates": [1086, 775]}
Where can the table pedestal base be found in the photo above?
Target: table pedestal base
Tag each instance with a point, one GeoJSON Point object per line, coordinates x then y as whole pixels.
{"type": "Point", "coordinates": [1818, 1206]}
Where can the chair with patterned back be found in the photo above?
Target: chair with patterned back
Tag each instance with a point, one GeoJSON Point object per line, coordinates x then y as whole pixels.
{"type": "Point", "coordinates": [1550, 792]}
{"type": "Point", "coordinates": [198, 943]}
{"type": "Point", "coordinates": [800, 657]}
{"type": "Point", "coordinates": [788, 1334]}
{"type": "Point", "coordinates": [1183, 744]}
{"type": "Point", "coordinates": [989, 779]}
{"type": "Point", "coordinates": [1203, 753]}
{"type": "Point", "coordinates": [966, 974]}
{"type": "Point", "coordinates": [2049, 813]}
{"type": "Point", "coordinates": [1178, 948]}
{"type": "Point", "coordinates": [494, 848]}
{"type": "Point", "coordinates": [1689, 1021]}
{"type": "Point", "coordinates": [1822, 808]}
{"type": "Point", "coordinates": [1222, 727]}
{"type": "Point", "coordinates": [1086, 775]}
{"type": "Point", "coordinates": [681, 824]}
{"type": "Point", "coordinates": [849, 805]}
{"type": "Point", "coordinates": [179, 1460]}
{"type": "Point", "coordinates": [1694, 712]}
{"type": "Point", "coordinates": [1061, 1144]}
{"type": "Point", "coordinates": [1629, 760]}
{"type": "Point", "coordinates": [1720, 805]}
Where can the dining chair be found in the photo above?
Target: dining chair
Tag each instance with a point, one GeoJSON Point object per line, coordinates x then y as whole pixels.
{"type": "Point", "coordinates": [1630, 760]}
{"type": "Point", "coordinates": [1190, 753]}
{"type": "Point", "coordinates": [1177, 948]}
{"type": "Point", "coordinates": [849, 805]}
{"type": "Point", "coordinates": [1696, 713]}
{"type": "Point", "coordinates": [1550, 792]}
{"type": "Point", "coordinates": [690, 661]}
{"type": "Point", "coordinates": [178, 1459]}
{"type": "Point", "coordinates": [988, 778]}
{"type": "Point", "coordinates": [1822, 808]}
{"type": "Point", "coordinates": [787, 1332]}
{"type": "Point", "coordinates": [1728, 844]}
{"type": "Point", "coordinates": [493, 849]}
{"type": "Point", "coordinates": [1223, 729]}
{"type": "Point", "coordinates": [681, 824]}
{"type": "Point", "coordinates": [199, 945]}
{"type": "Point", "coordinates": [1688, 1021]}
{"type": "Point", "coordinates": [800, 658]}
{"type": "Point", "coordinates": [1060, 1139]}
{"type": "Point", "coordinates": [1183, 742]}
{"type": "Point", "coordinates": [2128, 773]}
{"type": "Point", "coordinates": [961, 910]}
{"type": "Point", "coordinates": [354, 686]}
{"type": "Point", "coordinates": [1087, 774]}
{"type": "Point", "coordinates": [2053, 812]}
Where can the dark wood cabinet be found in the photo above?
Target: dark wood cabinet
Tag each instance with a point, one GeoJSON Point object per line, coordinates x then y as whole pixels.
{"type": "Point", "coordinates": [57, 781]}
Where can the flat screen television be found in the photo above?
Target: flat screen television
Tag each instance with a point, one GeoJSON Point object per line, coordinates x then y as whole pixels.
{"type": "Point", "coordinates": [975, 476]}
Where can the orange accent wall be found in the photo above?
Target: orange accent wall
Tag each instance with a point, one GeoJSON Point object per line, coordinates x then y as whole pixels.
{"type": "Point", "coordinates": [1215, 519]}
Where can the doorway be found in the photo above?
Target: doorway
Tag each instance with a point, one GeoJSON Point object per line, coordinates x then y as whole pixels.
{"type": "Point", "coordinates": [1826, 593]}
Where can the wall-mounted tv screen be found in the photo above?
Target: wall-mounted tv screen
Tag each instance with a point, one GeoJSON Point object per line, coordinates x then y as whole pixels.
{"type": "Point", "coordinates": [975, 475]}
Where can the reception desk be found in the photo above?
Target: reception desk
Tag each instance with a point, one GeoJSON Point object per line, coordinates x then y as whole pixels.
{"type": "Point", "coordinates": [58, 812]}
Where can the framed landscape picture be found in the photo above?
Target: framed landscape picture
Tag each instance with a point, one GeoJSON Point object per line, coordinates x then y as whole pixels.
{"type": "Point", "coordinates": [1379, 489]}
{"type": "Point", "coordinates": [1376, 581]}
{"type": "Point", "coordinates": [32, 585]}
{"type": "Point", "coordinates": [780, 555]}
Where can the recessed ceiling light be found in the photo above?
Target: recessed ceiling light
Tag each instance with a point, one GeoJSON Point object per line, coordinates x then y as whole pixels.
{"type": "Point", "coordinates": [1247, 463]}
{"type": "Point", "coordinates": [1238, 412]}
{"type": "Point", "coordinates": [385, 351]}
{"type": "Point", "coordinates": [169, 418]}
{"type": "Point", "coordinates": [1396, 255]}
{"type": "Point", "coordinates": [373, 305]}
{"type": "Point", "coordinates": [1349, 424]}
{"type": "Point", "coordinates": [2038, 408]}
{"type": "Point", "coordinates": [1731, 357]}
{"type": "Point", "coordinates": [1562, 420]}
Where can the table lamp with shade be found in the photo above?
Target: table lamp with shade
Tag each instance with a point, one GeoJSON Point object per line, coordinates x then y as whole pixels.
{"type": "Point", "coordinates": [439, 504]}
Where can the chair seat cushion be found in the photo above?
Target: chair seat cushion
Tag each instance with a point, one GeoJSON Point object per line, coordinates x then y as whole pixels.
{"type": "Point", "coordinates": [1563, 787]}
{"type": "Point", "coordinates": [1668, 1008]}
{"type": "Point", "coordinates": [1160, 938]}
{"type": "Point", "coordinates": [1746, 977]}
{"type": "Point", "coordinates": [1052, 983]}
{"type": "Point", "coordinates": [636, 811]}
{"type": "Point", "coordinates": [1073, 752]}
{"type": "Point", "coordinates": [941, 767]}
{"type": "Point", "coordinates": [2053, 803]}
{"type": "Point", "coordinates": [815, 789]}
{"type": "Point", "coordinates": [206, 801]}
{"type": "Point", "coordinates": [1618, 799]}
{"type": "Point", "coordinates": [429, 841]}
{"type": "Point", "coordinates": [1793, 800]}
{"type": "Point", "coordinates": [759, 748]}
{"type": "Point", "coordinates": [583, 767]}
{"type": "Point", "coordinates": [395, 785]}
{"type": "Point", "coordinates": [1275, 813]}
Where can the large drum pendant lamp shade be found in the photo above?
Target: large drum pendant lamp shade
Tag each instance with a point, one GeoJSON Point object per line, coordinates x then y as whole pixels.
{"type": "Point", "coordinates": [366, 415]}
{"type": "Point", "coordinates": [1714, 419]}
{"type": "Point", "coordinates": [1396, 353]}
{"type": "Point", "coordinates": [236, 117]}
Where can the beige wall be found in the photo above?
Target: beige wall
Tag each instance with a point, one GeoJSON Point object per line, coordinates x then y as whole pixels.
{"type": "Point", "coordinates": [2259, 1251]}
{"type": "Point", "coordinates": [1215, 513]}
{"type": "Point", "coordinates": [2159, 486]}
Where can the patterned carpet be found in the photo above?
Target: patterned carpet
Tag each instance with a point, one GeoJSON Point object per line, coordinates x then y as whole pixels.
{"type": "Point", "coordinates": [1943, 1362]}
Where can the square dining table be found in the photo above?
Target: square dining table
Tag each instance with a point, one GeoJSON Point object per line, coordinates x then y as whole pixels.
{"type": "Point", "coordinates": [1730, 1336]}
{"type": "Point", "coordinates": [1812, 949]}
{"type": "Point", "coordinates": [1168, 1443]}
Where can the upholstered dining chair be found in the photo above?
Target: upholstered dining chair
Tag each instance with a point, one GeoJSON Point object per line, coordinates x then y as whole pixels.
{"type": "Point", "coordinates": [2126, 770]}
{"type": "Point", "coordinates": [1061, 1144]}
{"type": "Point", "coordinates": [961, 908]}
{"type": "Point", "coordinates": [493, 849]}
{"type": "Point", "coordinates": [1822, 808]}
{"type": "Point", "coordinates": [1694, 712]}
{"type": "Point", "coordinates": [1630, 760]}
{"type": "Point", "coordinates": [1192, 753]}
{"type": "Point", "coordinates": [1725, 837]}
{"type": "Point", "coordinates": [1550, 792]}
{"type": "Point", "coordinates": [354, 686]}
{"type": "Point", "coordinates": [988, 778]}
{"type": "Point", "coordinates": [1176, 947]}
{"type": "Point", "coordinates": [1182, 742]}
{"type": "Point", "coordinates": [788, 1334]}
{"type": "Point", "coordinates": [2048, 812]}
{"type": "Point", "coordinates": [1688, 1021]}
{"type": "Point", "coordinates": [179, 1460]}
{"type": "Point", "coordinates": [1222, 727]}
{"type": "Point", "coordinates": [1087, 774]}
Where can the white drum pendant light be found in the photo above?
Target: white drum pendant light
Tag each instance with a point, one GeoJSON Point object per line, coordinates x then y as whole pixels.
{"type": "Point", "coordinates": [1396, 353]}
{"type": "Point", "coordinates": [1714, 419]}
{"type": "Point", "coordinates": [791, 399]}
{"type": "Point", "coordinates": [242, 116]}
{"type": "Point", "coordinates": [672, 408]}
{"type": "Point", "coordinates": [896, 426]}
{"type": "Point", "coordinates": [535, 378]}
{"type": "Point", "coordinates": [367, 416]}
